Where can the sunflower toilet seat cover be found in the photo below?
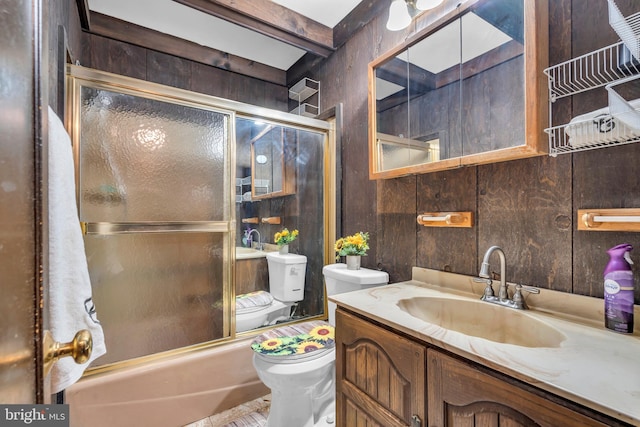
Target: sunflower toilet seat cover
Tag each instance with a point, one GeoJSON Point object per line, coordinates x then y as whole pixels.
{"type": "Point", "coordinates": [299, 339]}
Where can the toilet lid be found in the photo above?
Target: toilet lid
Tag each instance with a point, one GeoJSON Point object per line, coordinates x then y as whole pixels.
{"type": "Point", "coordinates": [296, 340]}
{"type": "Point", "coordinates": [253, 301]}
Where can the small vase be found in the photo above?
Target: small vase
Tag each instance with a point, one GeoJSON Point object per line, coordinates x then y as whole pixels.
{"type": "Point", "coordinates": [353, 262]}
{"type": "Point", "coordinates": [284, 249]}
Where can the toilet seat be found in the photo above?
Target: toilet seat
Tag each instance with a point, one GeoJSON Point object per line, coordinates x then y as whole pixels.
{"type": "Point", "coordinates": [253, 301]}
{"type": "Point", "coordinates": [295, 343]}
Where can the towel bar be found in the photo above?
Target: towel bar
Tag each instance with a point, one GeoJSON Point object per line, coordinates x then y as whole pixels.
{"type": "Point", "coordinates": [446, 219]}
{"type": "Point", "coordinates": [609, 219]}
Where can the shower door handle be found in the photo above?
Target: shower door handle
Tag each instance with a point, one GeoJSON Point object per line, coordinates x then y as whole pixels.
{"type": "Point", "coordinates": [80, 349]}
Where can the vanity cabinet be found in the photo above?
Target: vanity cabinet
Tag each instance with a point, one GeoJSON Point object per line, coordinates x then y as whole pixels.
{"type": "Point", "coordinates": [381, 376]}
{"type": "Point", "coordinates": [461, 395]}
{"type": "Point", "coordinates": [386, 379]}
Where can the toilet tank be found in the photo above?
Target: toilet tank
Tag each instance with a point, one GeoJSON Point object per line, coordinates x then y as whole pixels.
{"type": "Point", "coordinates": [286, 276]}
{"type": "Point", "coordinates": [339, 280]}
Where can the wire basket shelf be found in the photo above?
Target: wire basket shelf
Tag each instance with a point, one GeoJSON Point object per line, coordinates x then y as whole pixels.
{"type": "Point", "coordinates": [606, 67]}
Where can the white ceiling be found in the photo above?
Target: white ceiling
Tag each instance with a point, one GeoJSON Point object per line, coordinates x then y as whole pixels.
{"type": "Point", "coordinates": [473, 34]}
{"type": "Point", "coordinates": [169, 17]}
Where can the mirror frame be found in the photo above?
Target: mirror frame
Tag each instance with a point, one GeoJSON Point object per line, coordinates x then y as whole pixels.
{"type": "Point", "coordinates": [536, 59]}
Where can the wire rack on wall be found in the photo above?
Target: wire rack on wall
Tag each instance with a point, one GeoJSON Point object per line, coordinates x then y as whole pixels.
{"type": "Point", "coordinates": [302, 92]}
{"type": "Point", "coordinates": [611, 67]}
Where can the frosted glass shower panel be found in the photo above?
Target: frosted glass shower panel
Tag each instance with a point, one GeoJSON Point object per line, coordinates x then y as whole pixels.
{"type": "Point", "coordinates": [143, 159]}
{"type": "Point", "coordinates": [155, 292]}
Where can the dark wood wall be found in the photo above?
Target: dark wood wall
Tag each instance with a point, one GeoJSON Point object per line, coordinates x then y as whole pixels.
{"type": "Point", "coordinates": [528, 207]}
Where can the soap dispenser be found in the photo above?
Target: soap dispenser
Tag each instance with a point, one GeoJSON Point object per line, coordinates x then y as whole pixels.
{"type": "Point", "coordinates": [618, 290]}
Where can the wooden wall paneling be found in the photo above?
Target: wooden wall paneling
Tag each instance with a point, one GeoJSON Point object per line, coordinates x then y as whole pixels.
{"type": "Point", "coordinates": [117, 57]}
{"type": "Point", "coordinates": [275, 96]}
{"type": "Point", "coordinates": [396, 226]}
{"type": "Point", "coordinates": [168, 70]}
{"type": "Point", "coordinates": [359, 194]}
{"type": "Point", "coordinates": [524, 207]}
{"type": "Point", "coordinates": [447, 249]}
{"type": "Point", "coordinates": [209, 80]}
{"type": "Point", "coordinates": [602, 178]}
{"type": "Point", "coordinates": [614, 172]}
{"type": "Point", "coordinates": [358, 18]}
{"type": "Point", "coordinates": [216, 82]}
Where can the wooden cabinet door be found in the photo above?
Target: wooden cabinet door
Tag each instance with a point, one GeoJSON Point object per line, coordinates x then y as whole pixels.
{"type": "Point", "coordinates": [461, 396]}
{"type": "Point", "coordinates": [380, 376]}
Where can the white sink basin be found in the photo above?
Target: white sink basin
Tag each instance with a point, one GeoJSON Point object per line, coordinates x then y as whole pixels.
{"type": "Point", "coordinates": [484, 320]}
{"type": "Point", "coordinates": [248, 253]}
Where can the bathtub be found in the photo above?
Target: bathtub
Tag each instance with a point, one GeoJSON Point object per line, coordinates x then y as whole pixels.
{"type": "Point", "coordinates": [171, 392]}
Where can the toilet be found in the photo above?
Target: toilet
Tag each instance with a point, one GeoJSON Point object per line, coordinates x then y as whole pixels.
{"type": "Point", "coordinates": [297, 362]}
{"type": "Point", "coordinates": [286, 288]}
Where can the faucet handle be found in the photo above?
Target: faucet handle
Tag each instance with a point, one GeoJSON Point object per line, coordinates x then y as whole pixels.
{"type": "Point", "coordinates": [518, 300]}
{"type": "Point", "coordinates": [488, 290]}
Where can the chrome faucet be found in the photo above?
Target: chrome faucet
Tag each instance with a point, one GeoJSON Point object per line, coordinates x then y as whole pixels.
{"type": "Point", "coordinates": [517, 301]}
{"type": "Point", "coordinates": [485, 273]}
{"type": "Point", "coordinates": [259, 245]}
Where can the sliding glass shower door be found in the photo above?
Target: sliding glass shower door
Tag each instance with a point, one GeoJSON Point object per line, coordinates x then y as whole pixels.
{"type": "Point", "coordinates": [154, 198]}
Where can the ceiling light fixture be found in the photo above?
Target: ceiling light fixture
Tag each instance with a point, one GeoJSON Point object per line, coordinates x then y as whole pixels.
{"type": "Point", "coordinates": [401, 11]}
{"type": "Point", "coordinates": [399, 17]}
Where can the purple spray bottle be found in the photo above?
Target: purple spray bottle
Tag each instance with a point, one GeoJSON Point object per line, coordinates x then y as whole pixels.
{"type": "Point", "coordinates": [618, 290]}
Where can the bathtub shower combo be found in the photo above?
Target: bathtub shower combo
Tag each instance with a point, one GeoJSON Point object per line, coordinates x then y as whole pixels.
{"type": "Point", "coordinates": [156, 172]}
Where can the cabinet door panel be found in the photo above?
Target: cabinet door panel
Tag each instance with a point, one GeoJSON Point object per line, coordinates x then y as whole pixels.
{"type": "Point", "coordinates": [460, 395]}
{"type": "Point", "coordinates": [380, 375]}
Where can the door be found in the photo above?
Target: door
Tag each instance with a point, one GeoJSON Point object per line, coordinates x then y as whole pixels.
{"type": "Point", "coordinates": [23, 241]}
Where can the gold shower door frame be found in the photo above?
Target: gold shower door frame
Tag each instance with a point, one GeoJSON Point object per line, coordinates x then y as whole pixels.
{"type": "Point", "coordinates": [78, 77]}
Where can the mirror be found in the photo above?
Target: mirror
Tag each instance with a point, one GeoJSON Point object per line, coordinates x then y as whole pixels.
{"type": "Point", "coordinates": [302, 152]}
{"type": "Point", "coordinates": [272, 155]}
{"type": "Point", "coordinates": [467, 90]}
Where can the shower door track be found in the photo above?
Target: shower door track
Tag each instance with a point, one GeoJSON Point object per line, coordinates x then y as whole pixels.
{"type": "Point", "coordinates": [109, 228]}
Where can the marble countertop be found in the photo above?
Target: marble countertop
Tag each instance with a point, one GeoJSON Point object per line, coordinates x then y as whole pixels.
{"type": "Point", "coordinates": [592, 366]}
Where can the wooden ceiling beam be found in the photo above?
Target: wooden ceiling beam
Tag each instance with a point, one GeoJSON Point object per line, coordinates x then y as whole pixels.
{"type": "Point", "coordinates": [360, 16]}
{"type": "Point", "coordinates": [117, 29]}
{"type": "Point", "coordinates": [272, 20]}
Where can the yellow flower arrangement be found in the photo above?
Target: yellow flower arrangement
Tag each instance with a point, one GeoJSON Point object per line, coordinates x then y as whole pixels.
{"type": "Point", "coordinates": [356, 244]}
{"type": "Point", "coordinates": [285, 237]}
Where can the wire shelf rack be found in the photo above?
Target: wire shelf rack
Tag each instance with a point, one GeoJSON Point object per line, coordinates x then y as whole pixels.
{"type": "Point", "coordinates": [607, 67]}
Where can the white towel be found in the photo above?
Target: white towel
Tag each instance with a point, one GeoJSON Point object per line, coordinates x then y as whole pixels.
{"type": "Point", "coordinates": [604, 126]}
{"type": "Point", "coordinates": [70, 304]}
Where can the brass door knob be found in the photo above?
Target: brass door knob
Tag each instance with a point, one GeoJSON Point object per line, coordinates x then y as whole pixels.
{"type": "Point", "coordinates": [80, 349]}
